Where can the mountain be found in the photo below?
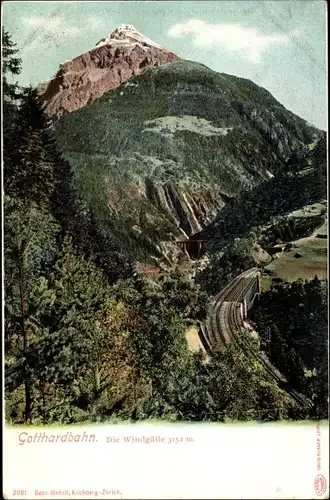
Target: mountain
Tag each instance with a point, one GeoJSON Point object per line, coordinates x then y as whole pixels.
{"type": "Point", "coordinates": [113, 60]}
{"type": "Point", "coordinates": [158, 157]}
{"type": "Point", "coordinates": [271, 200]}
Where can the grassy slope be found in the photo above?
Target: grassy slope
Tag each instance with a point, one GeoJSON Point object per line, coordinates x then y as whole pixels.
{"type": "Point", "coordinates": [313, 260]}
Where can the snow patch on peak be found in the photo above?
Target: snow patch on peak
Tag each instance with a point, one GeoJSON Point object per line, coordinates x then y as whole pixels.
{"type": "Point", "coordinates": [127, 34]}
{"type": "Point", "coordinates": [126, 27]}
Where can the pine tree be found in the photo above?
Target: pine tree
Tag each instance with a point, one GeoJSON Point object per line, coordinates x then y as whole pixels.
{"type": "Point", "coordinates": [80, 290]}
{"type": "Point", "coordinates": [29, 170]}
{"type": "Point", "coordinates": [10, 64]}
{"type": "Point", "coordinates": [30, 248]}
{"type": "Point", "coordinates": [11, 92]}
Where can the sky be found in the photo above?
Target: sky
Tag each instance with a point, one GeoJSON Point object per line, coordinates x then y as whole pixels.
{"type": "Point", "coordinates": [280, 45]}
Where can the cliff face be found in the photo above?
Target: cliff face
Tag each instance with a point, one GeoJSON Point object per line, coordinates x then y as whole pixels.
{"type": "Point", "coordinates": [160, 155]}
{"type": "Point", "coordinates": [167, 211]}
{"type": "Point", "coordinates": [113, 61]}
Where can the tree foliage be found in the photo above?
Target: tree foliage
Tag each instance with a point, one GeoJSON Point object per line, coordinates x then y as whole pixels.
{"type": "Point", "coordinates": [292, 321]}
{"type": "Point", "coordinates": [11, 64]}
{"type": "Point", "coordinates": [29, 170]}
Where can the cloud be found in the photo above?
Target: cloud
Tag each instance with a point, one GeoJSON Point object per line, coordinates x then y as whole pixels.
{"type": "Point", "coordinates": [94, 23]}
{"type": "Point", "coordinates": [249, 42]}
{"type": "Point", "coordinates": [50, 28]}
{"type": "Point", "coordinates": [53, 28]}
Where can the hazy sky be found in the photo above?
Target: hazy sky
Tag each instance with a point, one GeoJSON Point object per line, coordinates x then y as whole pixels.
{"type": "Point", "coordinates": [280, 45]}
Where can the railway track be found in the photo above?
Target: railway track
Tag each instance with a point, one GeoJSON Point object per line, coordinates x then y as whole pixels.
{"type": "Point", "coordinates": [226, 318]}
{"type": "Point", "coordinates": [215, 334]}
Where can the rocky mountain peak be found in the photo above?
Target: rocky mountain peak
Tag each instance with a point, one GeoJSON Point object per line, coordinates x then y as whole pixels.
{"type": "Point", "coordinates": [124, 53]}
{"type": "Point", "coordinates": [126, 34]}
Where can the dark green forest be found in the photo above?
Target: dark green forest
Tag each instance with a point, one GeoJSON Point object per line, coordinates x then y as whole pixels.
{"type": "Point", "coordinates": [299, 347]}
{"type": "Point", "coordinates": [87, 340]}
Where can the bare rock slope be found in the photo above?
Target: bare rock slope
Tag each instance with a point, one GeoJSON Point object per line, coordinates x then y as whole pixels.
{"type": "Point", "coordinates": [125, 53]}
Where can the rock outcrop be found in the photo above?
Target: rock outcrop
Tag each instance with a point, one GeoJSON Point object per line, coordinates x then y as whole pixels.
{"type": "Point", "coordinates": [125, 53]}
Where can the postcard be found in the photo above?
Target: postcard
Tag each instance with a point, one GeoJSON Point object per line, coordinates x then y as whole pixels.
{"type": "Point", "coordinates": [165, 255]}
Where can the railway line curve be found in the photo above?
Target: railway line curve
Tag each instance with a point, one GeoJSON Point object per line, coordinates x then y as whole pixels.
{"type": "Point", "coordinates": [228, 314]}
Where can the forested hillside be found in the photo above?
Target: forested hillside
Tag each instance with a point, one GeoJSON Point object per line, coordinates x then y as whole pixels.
{"type": "Point", "coordinates": [159, 157]}
{"type": "Point", "coordinates": [298, 347]}
{"type": "Point", "coordinates": [265, 215]}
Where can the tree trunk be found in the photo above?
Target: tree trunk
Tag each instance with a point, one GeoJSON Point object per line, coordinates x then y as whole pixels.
{"type": "Point", "coordinates": [43, 401]}
{"type": "Point", "coordinates": [27, 411]}
{"type": "Point", "coordinates": [97, 379]}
